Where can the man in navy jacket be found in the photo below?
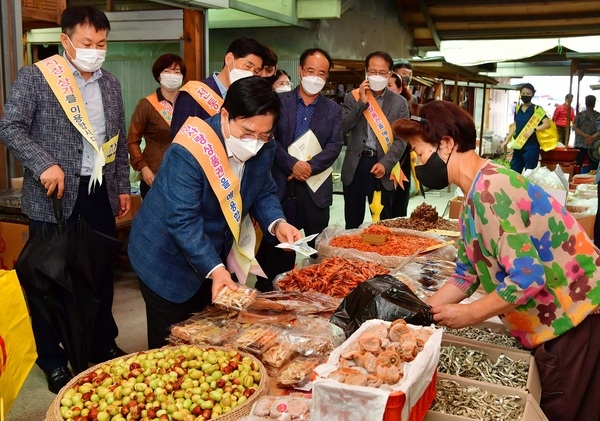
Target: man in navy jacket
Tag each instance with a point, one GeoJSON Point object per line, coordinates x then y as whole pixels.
{"type": "Point", "coordinates": [305, 108]}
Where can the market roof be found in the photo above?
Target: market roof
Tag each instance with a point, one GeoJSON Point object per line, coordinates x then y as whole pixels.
{"type": "Point", "coordinates": [439, 68]}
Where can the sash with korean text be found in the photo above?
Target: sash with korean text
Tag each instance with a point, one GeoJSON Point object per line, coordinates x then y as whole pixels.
{"type": "Point", "coordinates": [59, 76]}
{"type": "Point", "coordinates": [203, 143]}
{"type": "Point", "coordinates": [164, 107]}
{"type": "Point", "coordinates": [383, 130]}
{"type": "Point", "coordinates": [534, 121]}
{"type": "Point", "coordinates": [208, 99]}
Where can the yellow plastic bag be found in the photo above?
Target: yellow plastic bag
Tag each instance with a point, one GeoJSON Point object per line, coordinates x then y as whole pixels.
{"type": "Point", "coordinates": [17, 345]}
{"type": "Point", "coordinates": [548, 139]}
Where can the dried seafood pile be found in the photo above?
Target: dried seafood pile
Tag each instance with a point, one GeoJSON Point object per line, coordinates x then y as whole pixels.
{"type": "Point", "coordinates": [334, 276]}
{"type": "Point", "coordinates": [475, 403]}
{"type": "Point", "coordinates": [475, 364]}
{"type": "Point", "coordinates": [423, 218]}
{"type": "Point", "coordinates": [377, 358]}
{"type": "Point", "coordinates": [487, 336]}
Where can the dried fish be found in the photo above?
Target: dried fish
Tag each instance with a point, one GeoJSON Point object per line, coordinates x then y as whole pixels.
{"type": "Point", "coordinates": [486, 335]}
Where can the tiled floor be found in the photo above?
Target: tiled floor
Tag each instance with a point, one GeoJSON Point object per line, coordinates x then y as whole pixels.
{"type": "Point", "coordinates": [34, 399]}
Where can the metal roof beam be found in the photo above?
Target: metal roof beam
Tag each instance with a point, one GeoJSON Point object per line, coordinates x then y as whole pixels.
{"type": "Point", "coordinates": [429, 22]}
{"type": "Point", "coordinates": [531, 32]}
{"type": "Point", "coordinates": [259, 11]}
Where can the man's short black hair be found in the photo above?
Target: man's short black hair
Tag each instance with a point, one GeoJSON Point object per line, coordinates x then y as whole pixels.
{"type": "Point", "coordinates": [251, 96]}
{"type": "Point", "coordinates": [402, 64]}
{"type": "Point", "coordinates": [380, 54]}
{"type": "Point", "coordinates": [527, 86]}
{"type": "Point", "coordinates": [243, 47]}
{"type": "Point", "coordinates": [312, 51]}
{"type": "Point", "coordinates": [590, 101]}
{"type": "Point", "coordinates": [83, 15]}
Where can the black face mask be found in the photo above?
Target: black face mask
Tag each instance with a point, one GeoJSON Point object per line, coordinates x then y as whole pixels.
{"type": "Point", "coordinates": [434, 173]}
{"type": "Point", "coordinates": [526, 99]}
{"type": "Point", "coordinates": [406, 80]}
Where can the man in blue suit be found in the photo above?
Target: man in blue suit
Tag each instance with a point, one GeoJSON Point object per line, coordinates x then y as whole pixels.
{"type": "Point", "coordinates": [180, 239]}
{"type": "Point", "coordinates": [303, 109]}
{"type": "Point", "coordinates": [244, 58]}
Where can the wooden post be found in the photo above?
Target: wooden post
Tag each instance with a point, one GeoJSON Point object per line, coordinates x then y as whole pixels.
{"type": "Point", "coordinates": [193, 47]}
{"type": "Point", "coordinates": [483, 107]}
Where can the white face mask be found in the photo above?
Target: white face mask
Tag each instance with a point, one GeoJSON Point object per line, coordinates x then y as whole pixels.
{"type": "Point", "coordinates": [171, 81]}
{"type": "Point", "coordinates": [242, 150]}
{"type": "Point", "coordinates": [237, 74]}
{"type": "Point", "coordinates": [284, 88]}
{"type": "Point", "coordinates": [87, 59]}
{"type": "Point", "coordinates": [377, 83]}
{"type": "Point", "coordinates": [312, 84]}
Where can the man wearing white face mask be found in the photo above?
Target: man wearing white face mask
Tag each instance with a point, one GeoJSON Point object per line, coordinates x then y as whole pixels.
{"type": "Point", "coordinates": [65, 123]}
{"type": "Point", "coordinates": [373, 153]}
{"type": "Point", "coordinates": [303, 109]}
{"type": "Point", "coordinates": [244, 58]}
{"type": "Point", "coordinates": [152, 119]}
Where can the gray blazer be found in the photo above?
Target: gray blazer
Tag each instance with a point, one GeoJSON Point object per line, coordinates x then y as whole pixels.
{"type": "Point", "coordinates": [394, 107]}
{"type": "Point", "coordinates": [36, 129]}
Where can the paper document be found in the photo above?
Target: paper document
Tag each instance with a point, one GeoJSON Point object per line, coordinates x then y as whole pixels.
{"type": "Point", "coordinates": [304, 148]}
{"type": "Point", "coordinates": [300, 246]}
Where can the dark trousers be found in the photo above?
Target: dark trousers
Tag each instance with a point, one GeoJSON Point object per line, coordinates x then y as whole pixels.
{"type": "Point", "coordinates": [524, 158]}
{"type": "Point", "coordinates": [583, 153]}
{"type": "Point", "coordinates": [95, 210]}
{"type": "Point", "coordinates": [161, 314]}
{"type": "Point", "coordinates": [301, 211]}
{"type": "Point", "coordinates": [569, 368]}
{"type": "Point", "coordinates": [562, 134]}
{"type": "Point", "coordinates": [362, 186]}
{"type": "Point", "coordinates": [144, 189]}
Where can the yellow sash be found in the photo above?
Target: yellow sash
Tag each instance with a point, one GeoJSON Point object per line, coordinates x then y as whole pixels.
{"type": "Point", "coordinates": [204, 96]}
{"type": "Point", "coordinates": [164, 108]}
{"type": "Point", "coordinates": [59, 76]}
{"type": "Point", "coordinates": [382, 129]}
{"type": "Point", "coordinates": [203, 143]}
{"type": "Point", "coordinates": [534, 121]}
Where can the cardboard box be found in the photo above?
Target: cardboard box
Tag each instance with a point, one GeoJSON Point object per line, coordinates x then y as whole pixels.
{"type": "Point", "coordinates": [136, 204]}
{"type": "Point", "coordinates": [533, 385]}
{"type": "Point", "coordinates": [16, 183]}
{"type": "Point", "coordinates": [532, 411]}
{"type": "Point", "coordinates": [587, 222]}
{"type": "Point", "coordinates": [13, 237]}
{"type": "Point", "coordinates": [455, 204]}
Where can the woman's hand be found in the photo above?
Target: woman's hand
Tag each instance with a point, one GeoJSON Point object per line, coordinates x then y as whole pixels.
{"type": "Point", "coordinates": [454, 316]}
{"type": "Point", "coordinates": [221, 278]}
{"type": "Point", "coordinates": [147, 176]}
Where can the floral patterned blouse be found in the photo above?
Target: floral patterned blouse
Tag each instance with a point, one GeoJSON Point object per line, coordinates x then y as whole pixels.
{"type": "Point", "coordinates": [520, 241]}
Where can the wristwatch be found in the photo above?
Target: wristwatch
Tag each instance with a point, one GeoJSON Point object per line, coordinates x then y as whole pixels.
{"type": "Point", "coordinates": [276, 225]}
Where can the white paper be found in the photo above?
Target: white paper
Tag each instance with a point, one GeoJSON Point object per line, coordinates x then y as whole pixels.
{"type": "Point", "coordinates": [300, 246]}
{"type": "Point", "coordinates": [305, 148]}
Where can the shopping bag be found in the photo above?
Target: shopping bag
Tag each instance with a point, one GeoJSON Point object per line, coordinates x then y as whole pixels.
{"type": "Point", "coordinates": [382, 297]}
{"type": "Point", "coordinates": [548, 139]}
{"type": "Point", "coordinates": [17, 344]}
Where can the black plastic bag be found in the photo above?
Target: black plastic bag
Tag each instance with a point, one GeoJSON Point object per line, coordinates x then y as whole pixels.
{"type": "Point", "coordinates": [382, 297]}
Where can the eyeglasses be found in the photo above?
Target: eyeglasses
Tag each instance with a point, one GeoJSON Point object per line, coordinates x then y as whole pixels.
{"type": "Point", "coordinates": [280, 83]}
{"type": "Point", "coordinates": [312, 72]}
{"type": "Point", "coordinates": [381, 73]}
{"type": "Point", "coordinates": [247, 136]}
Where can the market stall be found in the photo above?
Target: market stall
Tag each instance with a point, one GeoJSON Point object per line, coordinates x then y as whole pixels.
{"type": "Point", "coordinates": [345, 337]}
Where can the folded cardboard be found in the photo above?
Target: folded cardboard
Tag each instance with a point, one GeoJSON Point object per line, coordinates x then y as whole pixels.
{"type": "Point", "coordinates": [455, 204]}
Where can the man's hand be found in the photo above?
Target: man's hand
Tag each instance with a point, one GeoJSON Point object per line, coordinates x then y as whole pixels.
{"type": "Point", "coordinates": [53, 179]}
{"type": "Point", "coordinates": [221, 279]}
{"type": "Point", "coordinates": [147, 176]}
{"type": "Point", "coordinates": [124, 205]}
{"type": "Point", "coordinates": [301, 170]}
{"type": "Point", "coordinates": [362, 91]}
{"type": "Point", "coordinates": [287, 233]}
{"type": "Point", "coordinates": [378, 170]}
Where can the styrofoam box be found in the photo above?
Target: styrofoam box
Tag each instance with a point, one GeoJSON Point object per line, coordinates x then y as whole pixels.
{"type": "Point", "coordinates": [532, 411]}
{"type": "Point", "coordinates": [533, 384]}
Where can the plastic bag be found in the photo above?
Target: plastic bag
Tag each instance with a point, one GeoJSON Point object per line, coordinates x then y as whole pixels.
{"type": "Point", "coordinates": [382, 297]}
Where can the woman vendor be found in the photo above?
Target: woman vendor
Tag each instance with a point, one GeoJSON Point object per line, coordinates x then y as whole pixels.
{"type": "Point", "coordinates": [537, 266]}
{"type": "Point", "coordinates": [190, 233]}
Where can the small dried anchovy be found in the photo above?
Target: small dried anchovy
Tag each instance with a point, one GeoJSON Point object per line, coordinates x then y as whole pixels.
{"type": "Point", "coordinates": [486, 335]}
{"type": "Point", "coordinates": [476, 365]}
{"type": "Point", "coordinates": [475, 403]}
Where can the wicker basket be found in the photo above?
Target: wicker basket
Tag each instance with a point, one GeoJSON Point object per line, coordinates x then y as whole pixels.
{"type": "Point", "coordinates": [238, 412]}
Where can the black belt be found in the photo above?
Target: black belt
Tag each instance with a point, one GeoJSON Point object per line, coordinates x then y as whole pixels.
{"type": "Point", "coordinates": [84, 179]}
{"type": "Point", "coordinates": [368, 152]}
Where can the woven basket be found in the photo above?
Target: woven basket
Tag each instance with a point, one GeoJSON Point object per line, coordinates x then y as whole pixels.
{"type": "Point", "coordinates": [238, 412]}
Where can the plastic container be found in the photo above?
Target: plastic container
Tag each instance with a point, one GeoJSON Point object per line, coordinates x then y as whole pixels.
{"type": "Point", "coordinates": [396, 401]}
